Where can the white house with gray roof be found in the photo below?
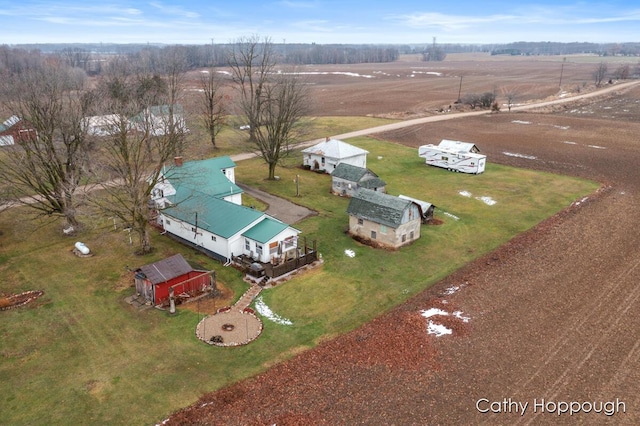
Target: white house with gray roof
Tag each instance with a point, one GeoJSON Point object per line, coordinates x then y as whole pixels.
{"type": "Point", "coordinates": [346, 179]}
{"type": "Point", "coordinates": [326, 155]}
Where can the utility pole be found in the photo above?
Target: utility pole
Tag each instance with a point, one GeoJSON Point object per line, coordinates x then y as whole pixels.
{"type": "Point", "coordinates": [460, 89]}
{"type": "Point", "coordinates": [562, 70]}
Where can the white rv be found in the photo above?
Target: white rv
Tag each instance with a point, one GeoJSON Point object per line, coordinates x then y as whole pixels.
{"type": "Point", "coordinates": [455, 156]}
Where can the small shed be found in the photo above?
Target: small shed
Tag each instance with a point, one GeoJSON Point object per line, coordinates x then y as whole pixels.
{"type": "Point", "coordinates": [346, 179]}
{"type": "Point", "coordinates": [383, 220]}
{"type": "Point", "coordinates": [425, 207]}
{"type": "Point", "coordinates": [326, 155]}
{"type": "Point", "coordinates": [154, 281]}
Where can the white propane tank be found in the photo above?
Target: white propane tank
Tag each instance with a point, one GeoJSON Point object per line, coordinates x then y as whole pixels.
{"type": "Point", "coordinates": [82, 248]}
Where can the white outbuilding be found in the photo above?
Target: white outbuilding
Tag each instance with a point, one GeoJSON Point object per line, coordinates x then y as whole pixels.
{"type": "Point", "coordinates": [326, 155]}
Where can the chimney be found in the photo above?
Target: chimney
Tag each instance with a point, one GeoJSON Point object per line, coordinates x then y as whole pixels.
{"type": "Point", "coordinates": [177, 161]}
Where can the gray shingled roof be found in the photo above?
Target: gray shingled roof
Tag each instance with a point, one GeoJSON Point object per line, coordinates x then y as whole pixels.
{"type": "Point", "coordinates": [166, 269]}
{"type": "Point", "coordinates": [355, 174]}
{"type": "Point", "coordinates": [350, 172]}
{"type": "Point", "coordinates": [378, 207]}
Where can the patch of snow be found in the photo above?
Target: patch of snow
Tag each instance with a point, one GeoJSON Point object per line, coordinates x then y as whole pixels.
{"type": "Point", "coordinates": [513, 154]}
{"type": "Point", "coordinates": [438, 329]}
{"type": "Point", "coordinates": [426, 72]}
{"type": "Point", "coordinates": [458, 314]}
{"type": "Point", "coordinates": [349, 74]}
{"type": "Point", "coordinates": [266, 312]}
{"type": "Point", "coordinates": [520, 122]}
{"type": "Point", "coordinates": [465, 193]}
{"type": "Point", "coordinates": [562, 127]}
{"type": "Point", "coordinates": [596, 147]}
{"type": "Point", "coordinates": [577, 203]}
{"type": "Point", "coordinates": [451, 290]}
{"type": "Point", "coordinates": [570, 143]}
{"type": "Point", "coordinates": [452, 216]}
{"type": "Point", "coordinates": [487, 200]}
{"type": "Point", "coordinates": [350, 253]}
{"type": "Point", "coordinates": [433, 311]}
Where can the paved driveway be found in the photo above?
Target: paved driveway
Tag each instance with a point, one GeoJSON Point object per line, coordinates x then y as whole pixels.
{"type": "Point", "coordinates": [279, 208]}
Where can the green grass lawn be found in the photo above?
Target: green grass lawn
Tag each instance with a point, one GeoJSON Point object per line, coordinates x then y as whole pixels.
{"type": "Point", "coordinates": [80, 355]}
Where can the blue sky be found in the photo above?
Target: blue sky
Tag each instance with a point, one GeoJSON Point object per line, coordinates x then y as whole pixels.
{"type": "Point", "coordinates": [319, 21]}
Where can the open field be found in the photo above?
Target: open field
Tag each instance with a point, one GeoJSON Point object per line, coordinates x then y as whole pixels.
{"type": "Point", "coordinates": [551, 313]}
{"type": "Point", "coordinates": [564, 288]}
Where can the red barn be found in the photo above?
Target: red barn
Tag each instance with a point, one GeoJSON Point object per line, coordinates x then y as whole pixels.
{"type": "Point", "coordinates": [154, 281]}
{"type": "Point", "coordinates": [15, 130]}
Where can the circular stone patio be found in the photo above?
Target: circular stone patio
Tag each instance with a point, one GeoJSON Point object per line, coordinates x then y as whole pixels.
{"type": "Point", "coordinates": [229, 328]}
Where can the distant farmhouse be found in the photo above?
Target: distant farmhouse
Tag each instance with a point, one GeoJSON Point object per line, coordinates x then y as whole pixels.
{"type": "Point", "coordinates": [456, 156]}
{"type": "Point", "coordinates": [102, 125]}
{"type": "Point", "coordinates": [156, 119]}
{"type": "Point", "coordinates": [159, 118]}
{"type": "Point", "coordinates": [326, 155]}
{"type": "Point", "coordinates": [383, 220]}
{"type": "Point", "coordinates": [346, 179]}
{"type": "Point", "coordinates": [199, 204]}
{"type": "Point", "coordinates": [14, 130]}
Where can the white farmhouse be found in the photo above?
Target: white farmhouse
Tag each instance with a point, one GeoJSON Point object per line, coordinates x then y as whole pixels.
{"type": "Point", "coordinates": [199, 204]}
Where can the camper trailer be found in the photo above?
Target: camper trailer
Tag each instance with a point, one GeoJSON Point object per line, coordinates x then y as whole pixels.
{"type": "Point", "coordinates": [455, 156]}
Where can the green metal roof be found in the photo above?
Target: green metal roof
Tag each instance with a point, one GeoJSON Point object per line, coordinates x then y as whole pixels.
{"type": "Point", "coordinates": [204, 176]}
{"type": "Point", "coordinates": [212, 214]}
{"type": "Point", "coordinates": [378, 207]}
{"type": "Point", "coordinates": [265, 230]}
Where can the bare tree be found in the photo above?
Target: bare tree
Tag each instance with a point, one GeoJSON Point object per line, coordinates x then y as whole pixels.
{"type": "Point", "coordinates": [283, 103]}
{"type": "Point", "coordinates": [133, 157]}
{"type": "Point", "coordinates": [510, 96]}
{"type": "Point", "coordinates": [213, 107]}
{"type": "Point", "coordinates": [45, 166]}
{"type": "Point", "coordinates": [600, 73]}
{"type": "Point", "coordinates": [252, 62]}
{"type": "Point", "coordinates": [623, 72]}
{"type": "Point", "coordinates": [271, 102]}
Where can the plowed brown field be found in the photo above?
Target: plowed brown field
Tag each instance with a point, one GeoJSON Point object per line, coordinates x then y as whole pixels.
{"type": "Point", "coordinates": [554, 313]}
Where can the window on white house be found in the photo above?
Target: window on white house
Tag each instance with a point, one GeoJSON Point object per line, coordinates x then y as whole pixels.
{"type": "Point", "coordinates": [259, 249]}
{"type": "Point", "coordinates": [290, 242]}
{"type": "Point", "coordinates": [411, 235]}
{"type": "Point", "coordinates": [167, 222]}
{"type": "Point", "coordinates": [383, 229]}
{"type": "Point", "coordinates": [247, 245]}
{"type": "Point", "coordinates": [213, 238]}
{"type": "Point", "coordinates": [360, 221]}
{"type": "Point", "coordinates": [404, 237]}
{"type": "Point", "coordinates": [373, 235]}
